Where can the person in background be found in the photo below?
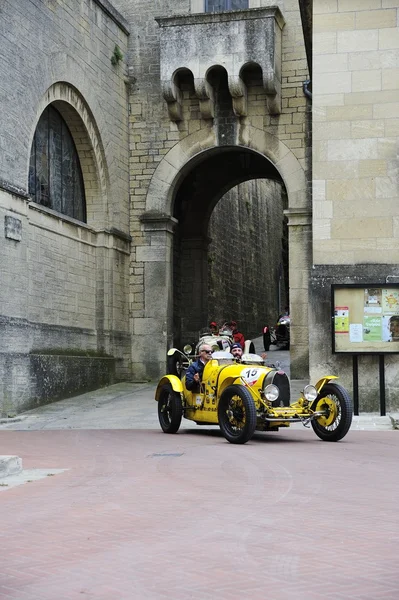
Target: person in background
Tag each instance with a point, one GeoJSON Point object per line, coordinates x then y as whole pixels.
{"type": "Point", "coordinates": [214, 329]}
{"type": "Point", "coordinates": [237, 335]}
{"type": "Point", "coordinates": [195, 370]}
{"type": "Point", "coordinates": [394, 328]}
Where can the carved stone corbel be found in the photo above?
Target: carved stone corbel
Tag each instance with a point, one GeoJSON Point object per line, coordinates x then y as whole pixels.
{"type": "Point", "coordinates": [204, 92]}
{"type": "Point", "coordinates": [238, 91]}
{"type": "Point", "coordinates": [273, 92]}
{"type": "Point", "coordinates": [173, 97]}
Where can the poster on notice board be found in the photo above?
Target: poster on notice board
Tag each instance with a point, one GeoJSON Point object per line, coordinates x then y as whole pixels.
{"type": "Point", "coordinates": [365, 319]}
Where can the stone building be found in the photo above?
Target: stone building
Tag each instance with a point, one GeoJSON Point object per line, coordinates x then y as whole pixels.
{"type": "Point", "coordinates": [64, 200]}
{"type": "Point", "coordinates": [165, 163]}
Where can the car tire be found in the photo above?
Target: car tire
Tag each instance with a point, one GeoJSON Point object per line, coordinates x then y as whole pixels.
{"type": "Point", "coordinates": [175, 365]}
{"type": "Point", "coordinates": [237, 414]}
{"type": "Point", "coordinates": [266, 339]}
{"type": "Point", "coordinates": [170, 409]}
{"type": "Point", "coordinates": [339, 427]}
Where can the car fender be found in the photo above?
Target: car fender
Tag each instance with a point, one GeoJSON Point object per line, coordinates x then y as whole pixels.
{"type": "Point", "coordinates": [174, 381]}
{"type": "Point", "coordinates": [322, 382]}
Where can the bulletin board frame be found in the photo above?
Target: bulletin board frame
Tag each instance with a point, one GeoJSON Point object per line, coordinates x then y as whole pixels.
{"type": "Point", "coordinates": [361, 318]}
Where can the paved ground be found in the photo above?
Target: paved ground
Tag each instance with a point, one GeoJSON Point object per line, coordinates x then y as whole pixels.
{"type": "Point", "coordinates": [123, 512]}
{"type": "Point", "coordinates": [143, 515]}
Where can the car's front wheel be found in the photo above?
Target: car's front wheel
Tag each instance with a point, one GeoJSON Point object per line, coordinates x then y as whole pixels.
{"type": "Point", "coordinates": [237, 414]}
{"type": "Point", "coordinates": [170, 409]}
{"type": "Point", "coordinates": [336, 405]}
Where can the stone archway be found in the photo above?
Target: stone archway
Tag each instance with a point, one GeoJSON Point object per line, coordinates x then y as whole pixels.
{"type": "Point", "coordinates": [155, 254]}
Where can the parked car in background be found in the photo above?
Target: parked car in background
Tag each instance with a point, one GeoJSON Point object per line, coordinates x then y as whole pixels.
{"type": "Point", "coordinates": [278, 334]}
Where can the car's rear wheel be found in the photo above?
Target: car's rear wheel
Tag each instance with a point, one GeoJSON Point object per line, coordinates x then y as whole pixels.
{"type": "Point", "coordinates": [237, 414]}
{"type": "Point", "coordinates": [266, 339]}
{"type": "Point", "coordinates": [170, 409]}
{"type": "Point", "coordinates": [334, 400]}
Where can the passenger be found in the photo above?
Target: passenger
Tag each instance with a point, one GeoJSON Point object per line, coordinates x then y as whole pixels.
{"type": "Point", "coordinates": [195, 370]}
{"type": "Point", "coordinates": [236, 351]}
{"type": "Point", "coordinates": [237, 335]}
{"type": "Point", "coordinates": [214, 329]}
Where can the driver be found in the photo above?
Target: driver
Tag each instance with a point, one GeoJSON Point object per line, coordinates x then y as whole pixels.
{"type": "Point", "coordinates": [195, 370]}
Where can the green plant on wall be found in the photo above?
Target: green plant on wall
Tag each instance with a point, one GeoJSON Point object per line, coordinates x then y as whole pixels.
{"type": "Point", "coordinates": [117, 55]}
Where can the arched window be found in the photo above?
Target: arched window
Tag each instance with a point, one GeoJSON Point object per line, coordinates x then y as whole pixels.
{"type": "Point", "coordinates": [221, 5]}
{"type": "Point", "coordinates": [55, 176]}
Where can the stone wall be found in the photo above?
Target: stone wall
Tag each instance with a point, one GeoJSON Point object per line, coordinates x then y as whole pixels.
{"type": "Point", "coordinates": [247, 257]}
{"type": "Point", "coordinates": [355, 171]}
{"type": "Point", "coordinates": [64, 284]}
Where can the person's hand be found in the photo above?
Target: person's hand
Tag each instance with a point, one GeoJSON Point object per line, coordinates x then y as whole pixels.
{"type": "Point", "coordinates": [196, 377]}
{"type": "Point", "coordinates": [264, 355]}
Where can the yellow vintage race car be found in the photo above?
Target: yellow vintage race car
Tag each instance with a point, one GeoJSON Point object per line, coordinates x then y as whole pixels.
{"type": "Point", "coordinates": [247, 396]}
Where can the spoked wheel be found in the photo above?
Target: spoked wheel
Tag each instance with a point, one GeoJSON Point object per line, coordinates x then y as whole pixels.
{"type": "Point", "coordinates": [237, 414]}
{"type": "Point", "coordinates": [266, 339]}
{"type": "Point", "coordinates": [334, 424]}
{"type": "Point", "coordinates": [170, 409]}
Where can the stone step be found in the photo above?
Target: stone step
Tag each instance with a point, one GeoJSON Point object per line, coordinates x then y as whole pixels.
{"type": "Point", "coordinates": [10, 465]}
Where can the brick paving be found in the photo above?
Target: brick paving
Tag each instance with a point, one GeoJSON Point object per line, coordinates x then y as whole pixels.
{"type": "Point", "coordinates": [144, 515]}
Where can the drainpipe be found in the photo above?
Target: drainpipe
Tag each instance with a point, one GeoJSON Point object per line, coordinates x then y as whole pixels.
{"type": "Point", "coordinates": [307, 89]}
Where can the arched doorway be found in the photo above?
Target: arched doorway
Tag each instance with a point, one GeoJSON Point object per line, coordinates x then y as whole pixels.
{"type": "Point", "coordinates": [153, 314]}
{"type": "Point", "coordinates": [236, 272]}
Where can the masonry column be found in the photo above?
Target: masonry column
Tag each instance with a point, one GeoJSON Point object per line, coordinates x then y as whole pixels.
{"type": "Point", "coordinates": [194, 287]}
{"type": "Point", "coordinates": [300, 261]}
{"type": "Point", "coordinates": [152, 325]}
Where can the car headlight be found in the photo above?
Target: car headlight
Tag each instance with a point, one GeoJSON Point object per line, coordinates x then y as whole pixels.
{"type": "Point", "coordinates": [271, 392]}
{"type": "Point", "coordinates": [187, 349]}
{"type": "Point", "coordinates": [310, 393]}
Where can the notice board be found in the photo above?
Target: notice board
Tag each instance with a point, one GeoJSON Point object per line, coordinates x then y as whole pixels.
{"type": "Point", "coordinates": [365, 319]}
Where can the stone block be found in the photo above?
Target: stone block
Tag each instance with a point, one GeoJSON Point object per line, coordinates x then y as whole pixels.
{"type": "Point", "coordinates": [332, 130]}
{"type": "Point", "coordinates": [390, 79]}
{"type": "Point", "coordinates": [336, 169]}
{"type": "Point", "coordinates": [325, 6]}
{"type": "Point", "coordinates": [322, 229]}
{"type": "Point", "coordinates": [375, 19]}
{"type": "Point", "coordinates": [351, 190]}
{"type": "Point", "coordinates": [339, 21]}
{"type": "Point", "coordinates": [387, 111]}
{"type": "Point", "coordinates": [324, 43]}
{"type": "Point", "coordinates": [389, 38]}
{"type": "Point", "coordinates": [353, 149]}
{"type": "Point", "coordinates": [360, 61]}
{"type": "Point", "coordinates": [357, 41]}
{"type": "Point", "coordinates": [349, 113]}
{"type": "Point", "coordinates": [368, 129]}
{"type": "Point", "coordinates": [372, 168]}
{"type": "Point", "coordinates": [358, 5]}
{"type": "Point", "coordinates": [366, 81]}
{"type": "Point", "coordinates": [361, 228]}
